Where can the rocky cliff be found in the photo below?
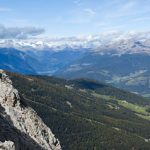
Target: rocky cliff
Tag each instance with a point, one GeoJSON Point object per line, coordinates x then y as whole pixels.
{"type": "Point", "coordinates": [20, 127]}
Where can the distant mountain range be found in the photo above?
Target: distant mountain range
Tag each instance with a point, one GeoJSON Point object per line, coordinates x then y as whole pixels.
{"type": "Point", "coordinates": [119, 41]}
{"type": "Point", "coordinates": [119, 59]}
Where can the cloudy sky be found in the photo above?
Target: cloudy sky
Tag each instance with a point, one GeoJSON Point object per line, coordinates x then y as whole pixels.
{"type": "Point", "coordinates": [21, 18]}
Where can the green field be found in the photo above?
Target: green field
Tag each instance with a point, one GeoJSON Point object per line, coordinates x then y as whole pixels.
{"type": "Point", "coordinates": [140, 111]}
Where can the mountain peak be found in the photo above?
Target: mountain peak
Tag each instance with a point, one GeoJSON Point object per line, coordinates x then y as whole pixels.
{"type": "Point", "coordinates": [89, 41]}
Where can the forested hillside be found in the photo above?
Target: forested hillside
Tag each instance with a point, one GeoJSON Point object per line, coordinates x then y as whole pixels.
{"type": "Point", "coordinates": [86, 114]}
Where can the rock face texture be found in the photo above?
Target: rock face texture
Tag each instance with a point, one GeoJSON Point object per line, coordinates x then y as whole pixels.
{"type": "Point", "coordinates": [20, 127]}
{"type": "Point", "coordinates": [7, 145]}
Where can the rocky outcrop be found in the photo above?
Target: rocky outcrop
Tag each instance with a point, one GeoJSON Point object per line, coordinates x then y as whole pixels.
{"type": "Point", "coordinates": [7, 145]}
{"type": "Point", "coordinates": [20, 126]}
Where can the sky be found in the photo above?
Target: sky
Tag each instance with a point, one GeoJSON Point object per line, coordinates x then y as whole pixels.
{"type": "Point", "coordinates": [51, 18]}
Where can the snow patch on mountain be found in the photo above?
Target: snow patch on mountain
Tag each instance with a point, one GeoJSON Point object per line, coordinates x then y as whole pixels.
{"type": "Point", "coordinates": [120, 42]}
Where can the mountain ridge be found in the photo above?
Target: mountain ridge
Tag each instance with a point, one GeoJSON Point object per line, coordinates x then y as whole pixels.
{"type": "Point", "coordinates": [121, 42]}
{"type": "Point", "coordinates": [17, 118]}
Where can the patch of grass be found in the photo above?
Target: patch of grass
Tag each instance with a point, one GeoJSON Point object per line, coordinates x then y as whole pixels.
{"type": "Point", "coordinates": [134, 107]}
{"type": "Point", "coordinates": [140, 111]}
{"type": "Point", "coordinates": [106, 97]}
{"type": "Point", "coordinates": [144, 116]}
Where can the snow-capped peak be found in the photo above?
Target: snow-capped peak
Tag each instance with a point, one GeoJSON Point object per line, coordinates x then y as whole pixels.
{"type": "Point", "coordinates": [120, 41]}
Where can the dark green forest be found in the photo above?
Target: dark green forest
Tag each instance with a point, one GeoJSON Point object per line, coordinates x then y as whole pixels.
{"type": "Point", "coordinates": [86, 114]}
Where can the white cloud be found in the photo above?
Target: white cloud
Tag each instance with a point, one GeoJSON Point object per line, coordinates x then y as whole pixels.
{"type": "Point", "coordinates": [128, 8]}
{"type": "Point", "coordinates": [77, 2]}
{"type": "Point", "coordinates": [129, 5]}
{"type": "Point", "coordinates": [90, 11]}
{"type": "Point", "coordinates": [19, 33]}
